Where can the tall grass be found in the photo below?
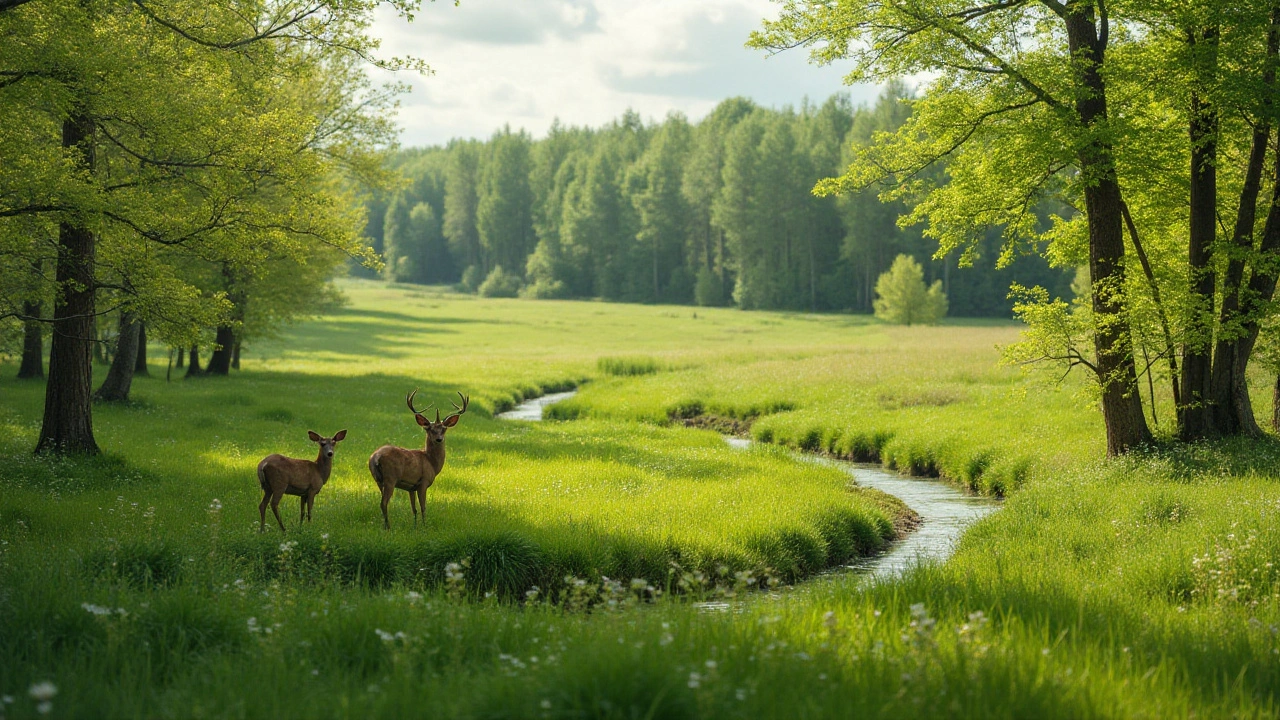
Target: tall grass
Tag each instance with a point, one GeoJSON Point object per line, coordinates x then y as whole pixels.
{"type": "Point", "coordinates": [628, 365]}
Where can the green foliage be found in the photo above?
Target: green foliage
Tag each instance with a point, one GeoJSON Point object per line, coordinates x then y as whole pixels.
{"type": "Point", "coordinates": [500, 283]}
{"type": "Point", "coordinates": [901, 296]}
{"type": "Point", "coordinates": [642, 212]}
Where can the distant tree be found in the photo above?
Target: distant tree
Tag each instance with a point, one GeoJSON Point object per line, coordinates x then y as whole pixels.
{"type": "Point", "coordinates": [504, 211]}
{"type": "Point", "coordinates": [461, 185]}
{"type": "Point", "coordinates": [663, 213]}
{"type": "Point", "coordinates": [902, 297]}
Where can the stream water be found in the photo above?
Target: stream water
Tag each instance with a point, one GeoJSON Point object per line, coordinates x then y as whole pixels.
{"type": "Point", "coordinates": [944, 510]}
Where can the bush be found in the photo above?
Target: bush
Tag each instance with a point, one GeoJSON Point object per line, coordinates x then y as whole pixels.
{"type": "Point", "coordinates": [500, 283]}
{"type": "Point", "coordinates": [901, 297]}
{"type": "Point", "coordinates": [708, 291]}
{"type": "Point", "coordinates": [545, 290]}
{"type": "Point", "coordinates": [471, 279]}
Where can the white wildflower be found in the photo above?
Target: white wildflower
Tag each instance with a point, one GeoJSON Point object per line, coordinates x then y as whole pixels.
{"type": "Point", "coordinates": [43, 691]}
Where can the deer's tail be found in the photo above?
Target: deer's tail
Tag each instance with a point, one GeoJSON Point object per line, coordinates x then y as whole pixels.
{"type": "Point", "coordinates": [375, 469]}
{"type": "Point", "coordinates": [262, 476]}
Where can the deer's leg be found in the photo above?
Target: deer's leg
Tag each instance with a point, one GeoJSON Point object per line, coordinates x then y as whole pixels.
{"type": "Point", "coordinates": [262, 510]}
{"type": "Point", "coordinates": [413, 503]}
{"type": "Point", "coordinates": [275, 507]}
{"type": "Point", "coordinates": [387, 492]}
{"type": "Point", "coordinates": [422, 502]}
{"type": "Point", "coordinates": [311, 504]}
{"type": "Point", "coordinates": [302, 509]}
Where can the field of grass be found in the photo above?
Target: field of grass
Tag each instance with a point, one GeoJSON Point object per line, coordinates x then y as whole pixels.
{"type": "Point", "coordinates": [1147, 587]}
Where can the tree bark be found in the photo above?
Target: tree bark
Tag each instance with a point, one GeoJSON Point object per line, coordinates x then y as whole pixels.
{"type": "Point", "coordinates": [220, 360]}
{"type": "Point", "coordinates": [1275, 406]}
{"type": "Point", "coordinates": [32, 343]}
{"type": "Point", "coordinates": [1121, 403]}
{"type": "Point", "coordinates": [193, 362]}
{"type": "Point", "coordinates": [120, 377]}
{"type": "Point", "coordinates": [1195, 417]}
{"type": "Point", "coordinates": [1253, 301]}
{"type": "Point", "coordinates": [67, 426]}
{"type": "Point", "coordinates": [1232, 408]}
{"type": "Point", "coordinates": [235, 355]}
{"type": "Point", "coordinates": [182, 355]}
{"type": "Point", "coordinates": [140, 366]}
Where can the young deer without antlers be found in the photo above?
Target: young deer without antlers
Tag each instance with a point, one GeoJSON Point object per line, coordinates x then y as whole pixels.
{"type": "Point", "coordinates": [413, 470]}
{"type": "Point", "coordinates": [279, 476]}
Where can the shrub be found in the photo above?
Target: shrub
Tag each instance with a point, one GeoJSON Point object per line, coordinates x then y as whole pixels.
{"type": "Point", "coordinates": [902, 299]}
{"type": "Point", "coordinates": [500, 283]}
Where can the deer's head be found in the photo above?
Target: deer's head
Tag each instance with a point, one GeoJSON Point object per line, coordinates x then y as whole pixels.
{"type": "Point", "coordinates": [436, 429]}
{"type": "Point", "coordinates": [327, 443]}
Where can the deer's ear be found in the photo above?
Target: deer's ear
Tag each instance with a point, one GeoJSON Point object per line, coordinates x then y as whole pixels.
{"type": "Point", "coordinates": [451, 420]}
{"type": "Point", "coordinates": [421, 420]}
{"type": "Point", "coordinates": [342, 435]}
{"type": "Point", "coordinates": [315, 437]}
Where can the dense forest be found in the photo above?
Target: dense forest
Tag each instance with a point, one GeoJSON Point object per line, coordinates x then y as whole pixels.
{"type": "Point", "coordinates": [719, 212]}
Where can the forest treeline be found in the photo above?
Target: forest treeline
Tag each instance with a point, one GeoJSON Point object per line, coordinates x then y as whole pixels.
{"type": "Point", "coordinates": [717, 212]}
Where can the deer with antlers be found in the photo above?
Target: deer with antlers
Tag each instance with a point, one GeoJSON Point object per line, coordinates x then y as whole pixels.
{"type": "Point", "coordinates": [279, 476]}
{"type": "Point", "coordinates": [413, 470]}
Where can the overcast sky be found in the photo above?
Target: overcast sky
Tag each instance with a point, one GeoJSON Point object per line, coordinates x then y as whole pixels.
{"type": "Point", "coordinates": [526, 62]}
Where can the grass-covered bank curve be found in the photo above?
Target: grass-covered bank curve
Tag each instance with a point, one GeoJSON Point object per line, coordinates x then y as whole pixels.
{"type": "Point", "coordinates": [1141, 588]}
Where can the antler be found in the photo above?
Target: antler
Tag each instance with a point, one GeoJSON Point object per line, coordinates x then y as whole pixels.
{"type": "Point", "coordinates": [409, 402]}
{"type": "Point", "coordinates": [465, 401]}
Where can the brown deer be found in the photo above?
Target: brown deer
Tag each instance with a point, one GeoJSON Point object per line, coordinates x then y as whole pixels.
{"type": "Point", "coordinates": [279, 476]}
{"type": "Point", "coordinates": [413, 470]}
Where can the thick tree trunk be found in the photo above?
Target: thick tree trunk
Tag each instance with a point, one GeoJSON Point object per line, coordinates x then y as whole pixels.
{"type": "Point", "coordinates": [1253, 301]}
{"type": "Point", "coordinates": [140, 366]}
{"type": "Point", "coordinates": [120, 377]}
{"type": "Point", "coordinates": [193, 362]}
{"type": "Point", "coordinates": [68, 403]}
{"type": "Point", "coordinates": [182, 358]}
{"type": "Point", "coordinates": [32, 343]}
{"type": "Point", "coordinates": [235, 355]}
{"type": "Point", "coordinates": [1231, 356]}
{"type": "Point", "coordinates": [1237, 328]}
{"type": "Point", "coordinates": [1121, 403]}
{"type": "Point", "coordinates": [220, 360]}
{"type": "Point", "coordinates": [1195, 417]}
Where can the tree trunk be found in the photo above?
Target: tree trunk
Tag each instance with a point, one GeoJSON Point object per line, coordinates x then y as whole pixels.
{"type": "Point", "coordinates": [1121, 403]}
{"type": "Point", "coordinates": [67, 426]}
{"type": "Point", "coordinates": [182, 358]}
{"type": "Point", "coordinates": [1232, 408]}
{"type": "Point", "coordinates": [193, 364]}
{"type": "Point", "coordinates": [1275, 406]}
{"type": "Point", "coordinates": [1253, 301]}
{"type": "Point", "coordinates": [1195, 417]}
{"type": "Point", "coordinates": [220, 360]}
{"type": "Point", "coordinates": [32, 343]}
{"type": "Point", "coordinates": [140, 366]}
{"type": "Point", "coordinates": [235, 355]}
{"type": "Point", "coordinates": [120, 377]}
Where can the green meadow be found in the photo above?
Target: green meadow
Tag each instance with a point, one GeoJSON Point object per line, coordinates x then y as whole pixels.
{"type": "Point", "coordinates": [563, 567]}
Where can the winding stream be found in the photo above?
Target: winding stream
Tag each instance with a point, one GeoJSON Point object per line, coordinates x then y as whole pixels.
{"type": "Point", "coordinates": [944, 510]}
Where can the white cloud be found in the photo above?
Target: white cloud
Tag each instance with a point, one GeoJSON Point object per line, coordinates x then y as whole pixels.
{"type": "Point", "coordinates": [526, 62]}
